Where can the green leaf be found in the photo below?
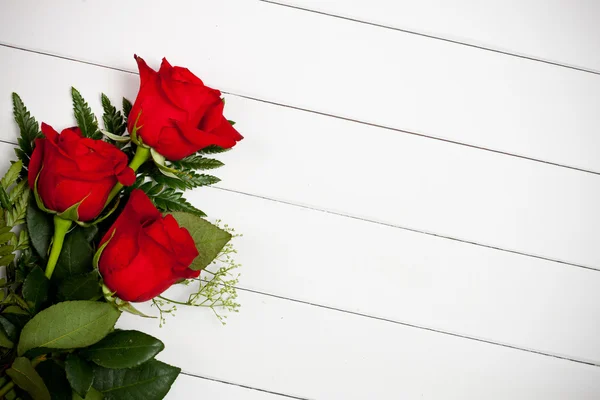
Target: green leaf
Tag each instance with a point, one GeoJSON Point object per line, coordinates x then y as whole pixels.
{"type": "Point", "coordinates": [4, 199]}
{"type": "Point", "coordinates": [187, 179]}
{"type": "Point", "coordinates": [79, 374]}
{"type": "Point", "coordinates": [127, 106]}
{"type": "Point", "coordinates": [55, 378]}
{"type": "Point", "coordinates": [25, 376]}
{"type": "Point", "coordinates": [113, 119]}
{"type": "Point", "coordinates": [93, 394]}
{"type": "Point", "coordinates": [197, 162]}
{"type": "Point", "coordinates": [9, 328]}
{"type": "Point", "coordinates": [80, 287]}
{"type": "Point", "coordinates": [35, 289]}
{"type": "Point", "coordinates": [40, 228]}
{"type": "Point", "coordinates": [76, 255]}
{"type": "Point", "coordinates": [68, 325]}
{"type": "Point", "coordinates": [167, 199]}
{"type": "Point", "coordinates": [5, 341]}
{"type": "Point", "coordinates": [209, 239]}
{"type": "Point", "coordinates": [149, 381]}
{"type": "Point", "coordinates": [124, 349]}
{"type": "Point", "coordinates": [30, 130]}
{"type": "Point", "coordinates": [11, 175]}
{"type": "Point", "coordinates": [86, 120]}
{"type": "Point", "coordinates": [212, 149]}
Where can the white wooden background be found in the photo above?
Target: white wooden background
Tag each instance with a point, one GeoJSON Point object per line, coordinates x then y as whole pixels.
{"type": "Point", "coordinates": [419, 185]}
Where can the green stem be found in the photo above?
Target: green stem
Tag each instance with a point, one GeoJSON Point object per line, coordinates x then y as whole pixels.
{"type": "Point", "coordinates": [61, 227]}
{"type": "Point", "coordinates": [173, 301]}
{"type": "Point", "coordinates": [142, 154]}
{"type": "Point", "coordinates": [6, 388]}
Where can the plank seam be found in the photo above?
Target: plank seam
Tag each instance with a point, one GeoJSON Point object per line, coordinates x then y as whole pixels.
{"type": "Point", "coordinates": [339, 117]}
{"type": "Point", "coordinates": [388, 320]}
{"type": "Point", "coordinates": [288, 396]}
{"type": "Point", "coordinates": [424, 328]}
{"type": "Point", "coordinates": [390, 225]}
{"type": "Point", "coordinates": [440, 38]}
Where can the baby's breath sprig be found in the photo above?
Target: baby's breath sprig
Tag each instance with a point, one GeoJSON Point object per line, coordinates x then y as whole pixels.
{"type": "Point", "coordinates": [216, 288]}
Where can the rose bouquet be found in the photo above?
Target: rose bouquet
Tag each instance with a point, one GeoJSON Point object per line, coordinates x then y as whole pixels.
{"type": "Point", "coordinates": [93, 220]}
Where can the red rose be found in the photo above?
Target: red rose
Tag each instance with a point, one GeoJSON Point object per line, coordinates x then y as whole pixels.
{"type": "Point", "coordinates": [146, 253]}
{"type": "Point", "coordinates": [178, 114]}
{"type": "Point", "coordinates": [70, 169]}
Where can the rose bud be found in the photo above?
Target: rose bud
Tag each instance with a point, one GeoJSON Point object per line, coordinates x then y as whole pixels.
{"type": "Point", "coordinates": [176, 114]}
{"type": "Point", "coordinates": [67, 169]}
{"type": "Point", "coordinates": [145, 253]}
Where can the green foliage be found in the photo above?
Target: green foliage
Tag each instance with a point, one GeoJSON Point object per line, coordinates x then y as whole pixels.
{"type": "Point", "coordinates": [187, 179]}
{"type": "Point", "coordinates": [79, 374]}
{"type": "Point", "coordinates": [209, 239]}
{"type": "Point", "coordinates": [55, 378]}
{"type": "Point", "coordinates": [213, 150]}
{"type": "Point", "coordinates": [80, 287]}
{"type": "Point", "coordinates": [149, 381]}
{"type": "Point", "coordinates": [197, 162]}
{"type": "Point", "coordinates": [35, 289]}
{"type": "Point", "coordinates": [14, 197]}
{"type": "Point", "coordinates": [167, 199]}
{"type": "Point", "coordinates": [29, 128]}
{"type": "Point", "coordinates": [127, 106]}
{"type": "Point", "coordinates": [113, 119]}
{"type": "Point", "coordinates": [40, 228]}
{"type": "Point", "coordinates": [124, 349]}
{"type": "Point", "coordinates": [25, 376]}
{"type": "Point", "coordinates": [86, 120]}
{"type": "Point", "coordinates": [77, 253]}
{"type": "Point", "coordinates": [68, 325]}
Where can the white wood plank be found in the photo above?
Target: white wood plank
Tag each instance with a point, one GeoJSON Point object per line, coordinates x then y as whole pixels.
{"type": "Point", "coordinates": [554, 31]}
{"type": "Point", "coordinates": [332, 164]}
{"type": "Point", "coordinates": [189, 387]}
{"type": "Point", "coordinates": [310, 352]}
{"type": "Point", "coordinates": [408, 277]}
{"type": "Point", "coordinates": [335, 66]}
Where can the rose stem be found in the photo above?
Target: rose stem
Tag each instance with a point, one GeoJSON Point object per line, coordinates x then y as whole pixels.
{"type": "Point", "coordinates": [142, 154]}
{"type": "Point", "coordinates": [61, 226]}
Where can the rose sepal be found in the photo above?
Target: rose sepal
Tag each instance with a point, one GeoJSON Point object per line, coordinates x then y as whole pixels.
{"type": "Point", "coordinates": [122, 305]}
{"type": "Point", "coordinates": [116, 138]}
{"type": "Point", "coordinates": [160, 162]}
{"type": "Point", "coordinates": [72, 213]}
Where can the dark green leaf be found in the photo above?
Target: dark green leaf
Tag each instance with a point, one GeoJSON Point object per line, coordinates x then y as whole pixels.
{"type": "Point", "coordinates": [40, 227]}
{"type": "Point", "coordinates": [93, 394]}
{"type": "Point", "coordinates": [212, 149]}
{"type": "Point", "coordinates": [55, 379]}
{"type": "Point", "coordinates": [80, 287]}
{"type": "Point", "coordinates": [76, 255]}
{"type": "Point", "coordinates": [167, 199]}
{"type": "Point", "coordinates": [35, 289]}
{"type": "Point", "coordinates": [11, 331]}
{"type": "Point", "coordinates": [150, 381]}
{"type": "Point", "coordinates": [29, 128]}
{"type": "Point", "coordinates": [188, 179]}
{"type": "Point", "coordinates": [209, 239]}
{"type": "Point", "coordinates": [86, 120]}
{"type": "Point", "coordinates": [68, 325]}
{"type": "Point", "coordinates": [5, 341]}
{"type": "Point", "coordinates": [25, 376]}
{"type": "Point", "coordinates": [4, 200]}
{"type": "Point", "coordinates": [11, 175]}
{"type": "Point", "coordinates": [126, 108]}
{"type": "Point", "coordinates": [79, 374]}
{"type": "Point", "coordinates": [124, 349]}
{"type": "Point", "coordinates": [197, 162]}
{"type": "Point", "coordinates": [113, 119]}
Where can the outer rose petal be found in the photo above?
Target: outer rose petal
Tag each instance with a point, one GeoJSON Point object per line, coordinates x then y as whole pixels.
{"type": "Point", "coordinates": [35, 164]}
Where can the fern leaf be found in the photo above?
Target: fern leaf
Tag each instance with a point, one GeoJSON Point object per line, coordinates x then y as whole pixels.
{"type": "Point", "coordinates": [29, 128]}
{"type": "Point", "coordinates": [113, 119]}
{"type": "Point", "coordinates": [86, 120]}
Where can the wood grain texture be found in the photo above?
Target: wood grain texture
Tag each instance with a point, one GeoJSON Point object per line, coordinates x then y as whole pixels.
{"type": "Point", "coordinates": [335, 66]}
{"type": "Point", "coordinates": [552, 31]}
{"type": "Point", "coordinates": [331, 164]}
